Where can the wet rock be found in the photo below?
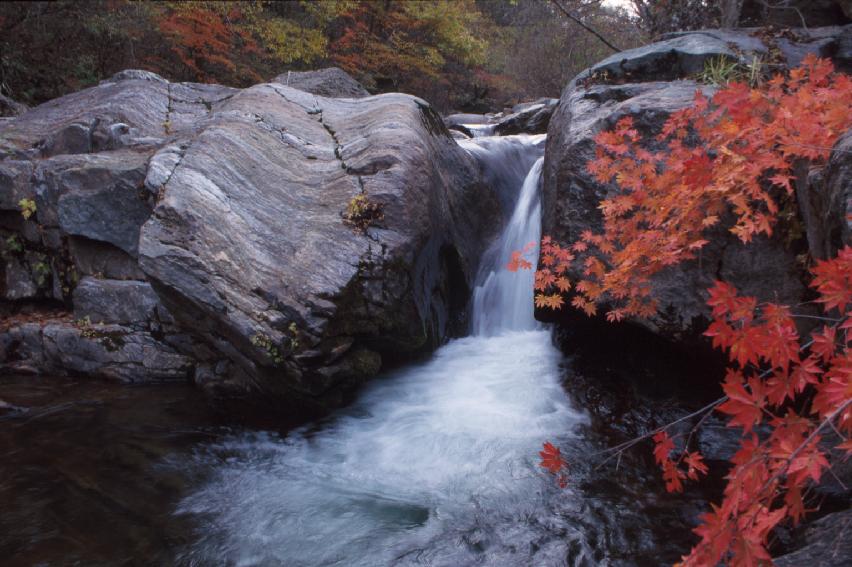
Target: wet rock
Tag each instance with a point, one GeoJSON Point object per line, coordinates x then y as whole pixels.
{"type": "Point", "coordinates": [627, 84]}
{"type": "Point", "coordinates": [266, 267]}
{"type": "Point", "coordinates": [533, 119]}
{"type": "Point", "coordinates": [331, 82]}
{"type": "Point", "coordinates": [826, 543]}
{"type": "Point", "coordinates": [242, 207]}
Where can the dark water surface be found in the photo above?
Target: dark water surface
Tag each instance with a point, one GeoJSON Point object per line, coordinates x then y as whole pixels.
{"type": "Point", "coordinates": [83, 479]}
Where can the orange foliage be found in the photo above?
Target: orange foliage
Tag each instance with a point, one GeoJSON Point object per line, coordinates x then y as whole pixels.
{"type": "Point", "coordinates": [772, 472]}
{"type": "Point", "coordinates": [553, 462]}
{"type": "Point", "coordinates": [735, 153]}
{"type": "Point", "coordinates": [205, 40]}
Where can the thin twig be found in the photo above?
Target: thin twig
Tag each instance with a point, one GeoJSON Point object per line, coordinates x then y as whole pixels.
{"type": "Point", "coordinates": [627, 444]}
{"type": "Point", "coordinates": [584, 26]}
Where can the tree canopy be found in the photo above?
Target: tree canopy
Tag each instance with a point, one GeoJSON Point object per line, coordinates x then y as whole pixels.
{"type": "Point", "coordinates": [458, 54]}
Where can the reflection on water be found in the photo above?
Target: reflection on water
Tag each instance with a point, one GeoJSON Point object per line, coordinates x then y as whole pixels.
{"type": "Point", "coordinates": [81, 475]}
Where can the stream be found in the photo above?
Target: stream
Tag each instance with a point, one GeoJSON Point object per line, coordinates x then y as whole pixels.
{"type": "Point", "coordinates": [426, 457]}
{"type": "Point", "coordinates": [435, 463]}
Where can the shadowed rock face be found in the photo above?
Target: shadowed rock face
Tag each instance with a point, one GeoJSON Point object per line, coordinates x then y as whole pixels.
{"type": "Point", "coordinates": [628, 84]}
{"type": "Point", "coordinates": [227, 207]}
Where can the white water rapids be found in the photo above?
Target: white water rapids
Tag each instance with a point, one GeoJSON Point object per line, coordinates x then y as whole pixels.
{"type": "Point", "coordinates": [436, 464]}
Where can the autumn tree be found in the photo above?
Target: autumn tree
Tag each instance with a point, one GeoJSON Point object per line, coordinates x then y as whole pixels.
{"type": "Point", "coordinates": [416, 47]}
{"type": "Point", "coordinates": [733, 155]}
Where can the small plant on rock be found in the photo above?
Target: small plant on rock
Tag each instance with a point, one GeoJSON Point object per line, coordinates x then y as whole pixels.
{"type": "Point", "coordinates": [362, 213]}
{"type": "Point", "coordinates": [294, 335]}
{"type": "Point", "coordinates": [14, 244]}
{"type": "Point", "coordinates": [28, 208]}
{"type": "Point", "coordinates": [264, 342]}
{"type": "Point", "coordinates": [720, 71]}
{"type": "Point", "coordinates": [85, 326]}
{"type": "Point", "coordinates": [41, 270]}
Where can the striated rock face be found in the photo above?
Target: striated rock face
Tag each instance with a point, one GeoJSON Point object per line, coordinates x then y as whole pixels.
{"type": "Point", "coordinates": [205, 226]}
{"type": "Point", "coordinates": [649, 84]}
{"type": "Point", "coordinates": [331, 82]}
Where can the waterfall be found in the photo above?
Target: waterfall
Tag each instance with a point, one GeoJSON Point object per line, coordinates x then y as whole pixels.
{"type": "Point", "coordinates": [436, 463]}
{"type": "Point", "coordinates": [502, 300]}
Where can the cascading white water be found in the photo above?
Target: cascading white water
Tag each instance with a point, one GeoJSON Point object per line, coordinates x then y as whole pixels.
{"type": "Point", "coordinates": [434, 465]}
{"type": "Point", "coordinates": [503, 300]}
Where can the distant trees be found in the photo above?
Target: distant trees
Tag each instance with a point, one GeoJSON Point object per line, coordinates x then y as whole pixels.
{"type": "Point", "coordinates": [657, 17]}
{"type": "Point", "coordinates": [459, 54]}
{"type": "Point", "coordinates": [536, 49]}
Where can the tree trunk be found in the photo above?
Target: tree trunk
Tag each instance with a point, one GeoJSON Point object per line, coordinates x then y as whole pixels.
{"type": "Point", "coordinates": [730, 13]}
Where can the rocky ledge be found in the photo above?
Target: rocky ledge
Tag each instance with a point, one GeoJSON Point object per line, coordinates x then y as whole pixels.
{"type": "Point", "coordinates": [270, 244]}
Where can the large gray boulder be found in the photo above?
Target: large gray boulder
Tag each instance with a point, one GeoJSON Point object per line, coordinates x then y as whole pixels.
{"type": "Point", "coordinates": [284, 243]}
{"type": "Point", "coordinates": [330, 83]}
{"type": "Point", "coordinates": [571, 197]}
{"type": "Point", "coordinates": [248, 244]}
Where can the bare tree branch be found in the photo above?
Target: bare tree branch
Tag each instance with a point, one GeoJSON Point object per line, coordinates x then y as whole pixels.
{"type": "Point", "coordinates": [583, 25]}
